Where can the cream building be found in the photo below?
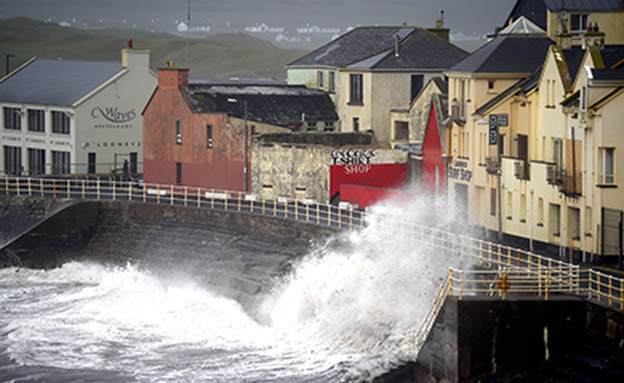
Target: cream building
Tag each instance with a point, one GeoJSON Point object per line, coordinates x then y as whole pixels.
{"type": "Point", "coordinates": [371, 71]}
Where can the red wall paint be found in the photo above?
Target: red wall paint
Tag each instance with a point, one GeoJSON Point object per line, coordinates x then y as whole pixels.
{"type": "Point", "coordinates": [432, 155]}
{"type": "Point", "coordinates": [376, 175]}
{"type": "Point", "coordinates": [218, 167]}
{"type": "Point", "coordinates": [364, 196]}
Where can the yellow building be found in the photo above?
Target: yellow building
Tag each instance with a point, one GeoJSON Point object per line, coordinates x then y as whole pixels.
{"type": "Point", "coordinates": [574, 18]}
{"type": "Point", "coordinates": [487, 74]}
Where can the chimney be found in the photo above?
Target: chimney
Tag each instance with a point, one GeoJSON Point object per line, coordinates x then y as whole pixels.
{"type": "Point", "coordinates": [396, 45]}
{"type": "Point", "coordinates": [593, 37]}
{"type": "Point", "coordinates": [171, 77]}
{"type": "Point", "coordinates": [564, 39]}
{"type": "Point", "coordinates": [134, 58]}
{"type": "Point", "coordinates": [439, 30]}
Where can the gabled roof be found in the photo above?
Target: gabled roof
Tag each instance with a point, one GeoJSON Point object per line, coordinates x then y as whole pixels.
{"type": "Point", "coordinates": [534, 10]}
{"type": "Point", "coordinates": [521, 87]}
{"type": "Point", "coordinates": [584, 5]}
{"type": "Point", "coordinates": [574, 58]}
{"type": "Point", "coordinates": [278, 105]}
{"type": "Point", "coordinates": [374, 48]}
{"type": "Point", "coordinates": [606, 98]}
{"type": "Point", "coordinates": [56, 82]}
{"type": "Point", "coordinates": [507, 54]}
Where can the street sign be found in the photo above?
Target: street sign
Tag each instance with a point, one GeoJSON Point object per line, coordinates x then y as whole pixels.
{"type": "Point", "coordinates": [493, 129]}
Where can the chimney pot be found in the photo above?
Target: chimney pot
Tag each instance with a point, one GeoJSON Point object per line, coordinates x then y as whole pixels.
{"type": "Point", "coordinates": [129, 43]}
{"type": "Point", "coordinates": [170, 64]}
{"type": "Point", "coordinates": [438, 23]}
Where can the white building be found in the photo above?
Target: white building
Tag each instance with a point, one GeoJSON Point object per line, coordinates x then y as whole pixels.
{"type": "Point", "coordinates": [75, 117]}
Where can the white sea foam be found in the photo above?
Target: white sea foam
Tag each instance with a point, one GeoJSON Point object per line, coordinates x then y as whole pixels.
{"type": "Point", "coordinates": [345, 309]}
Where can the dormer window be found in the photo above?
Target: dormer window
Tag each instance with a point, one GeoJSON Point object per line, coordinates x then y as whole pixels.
{"type": "Point", "coordinates": [578, 24]}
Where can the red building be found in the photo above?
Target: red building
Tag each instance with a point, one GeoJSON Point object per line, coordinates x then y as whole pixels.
{"type": "Point", "coordinates": [433, 164]}
{"type": "Point", "coordinates": [199, 134]}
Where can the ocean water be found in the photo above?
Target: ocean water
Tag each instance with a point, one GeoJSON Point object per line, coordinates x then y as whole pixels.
{"type": "Point", "coordinates": [344, 312]}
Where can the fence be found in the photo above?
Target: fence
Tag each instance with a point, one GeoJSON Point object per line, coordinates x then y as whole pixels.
{"type": "Point", "coordinates": [96, 189]}
{"type": "Point", "coordinates": [504, 272]}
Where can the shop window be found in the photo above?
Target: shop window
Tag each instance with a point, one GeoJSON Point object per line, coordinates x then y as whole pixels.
{"type": "Point", "coordinates": [36, 161]}
{"type": "Point", "coordinates": [60, 162]}
{"type": "Point", "coordinates": [178, 133]}
{"type": "Point", "coordinates": [12, 160]}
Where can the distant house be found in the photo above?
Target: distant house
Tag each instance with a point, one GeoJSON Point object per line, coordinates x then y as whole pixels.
{"type": "Point", "coordinates": [75, 117]}
{"type": "Point", "coordinates": [370, 71]}
{"type": "Point", "coordinates": [198, 133]}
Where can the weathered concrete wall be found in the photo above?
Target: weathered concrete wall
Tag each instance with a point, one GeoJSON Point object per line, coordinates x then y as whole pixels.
{"type": "Point", "coordinates": [238, 255]}
{"type": "Point", "coordinates": [490, 338]}
{"type": "Point", "coordinates": [293, 167]}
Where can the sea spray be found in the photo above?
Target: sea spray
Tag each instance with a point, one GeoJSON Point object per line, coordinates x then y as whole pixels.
{"type": "Point", "coordinates": [363, 292]}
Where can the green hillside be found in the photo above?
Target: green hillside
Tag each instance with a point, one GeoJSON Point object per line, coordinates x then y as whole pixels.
{"type": "Point", "coordinates": [217, 56]}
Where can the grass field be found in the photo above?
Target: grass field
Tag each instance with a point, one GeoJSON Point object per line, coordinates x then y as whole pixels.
{"type": "Point", "coordinates": [217, 56]}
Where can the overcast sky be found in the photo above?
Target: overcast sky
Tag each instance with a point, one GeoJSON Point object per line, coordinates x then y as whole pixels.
{"type": "Point", "coordinates": [466, 16]}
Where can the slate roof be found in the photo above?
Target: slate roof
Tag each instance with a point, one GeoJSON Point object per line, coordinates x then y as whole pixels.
{"type": "Point", "coordinates": [441, 83]}
{"type": "Point", "coordinates": [373, 47]}
{"type": "Point", "coordinates": [612, 55]}
{"type": "Point", "coordinates": [56, 82]}
{"type": "Point", "coordinates": [584, 5]}
{"type": "Point", "coordinates": [608, 74]}
{"type": "Point", "coordinates": [521, 87]}
{"type": "Point", "coordinates": [534, 10]}
{"type": "Point", "coordinates": [574, 57]}
{"type": "Point", "coordinates": [279, 105]}
{"type": "Point", "coordinates": [507, 54]}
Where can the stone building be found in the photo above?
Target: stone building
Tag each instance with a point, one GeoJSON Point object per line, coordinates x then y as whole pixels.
{"type": "Point", "coordinates": [198, 133]}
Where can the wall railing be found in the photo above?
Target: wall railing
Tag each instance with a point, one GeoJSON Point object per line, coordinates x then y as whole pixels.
{"type": "Point", "coordinates": [499, 270]}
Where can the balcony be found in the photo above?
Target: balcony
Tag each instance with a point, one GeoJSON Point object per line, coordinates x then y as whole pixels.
{"type": "Point", "coordinates": [521, 169]}
{"type": "Point", "coordinates": [571, 185]}
{"type": "Point", "coordinates": [492, 165]}
{"type": "Point", "coordinates": [554, 174]}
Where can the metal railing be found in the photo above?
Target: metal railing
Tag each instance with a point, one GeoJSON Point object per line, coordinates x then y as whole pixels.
{"type": "Point", "coordinates": [505, 271]}
{"type": "Point", "coordinates": [177, 195]}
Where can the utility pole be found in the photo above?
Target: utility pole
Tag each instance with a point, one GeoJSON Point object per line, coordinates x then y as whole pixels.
{"type": "Point", "coordinates": [245, 170]}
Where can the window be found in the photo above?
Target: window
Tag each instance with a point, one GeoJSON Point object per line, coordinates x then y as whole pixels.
{"type": "Point", "coordinates": [501, 145]}
{"type": "Point", "coordinates": [356, 124]}
{"type": "Point", "coordinates": [578, 24]}
{"type": "Point", "coordinates": [60, 162]}
{"type": "Point", "coordinates": [134, 162]}
{"type": "Point", "coordinates": [355, 89]}
{"type": "Point", "coordinates": [36, 161]}
{"type": "Point", "coordinates": [178, 133]}
{"type": "Point", "coordinates": [178, 173]}
{"type": "Point", "coordinates": [12, 160]}
{"type": "Point", "coordinates": [588, 219]}
{"type": "Point", "coordinates": [416, 85]}
{"type": "Point", "coordinates": [491, 86]}
{"type": "Point", "coordinates": [12, 118]}
{"type": "Point", "coordinates": [60, 122]}
{"type": "Point", "coordinates": [540, 211]}
{"type": "Point", "coordinates": [319, 79]}
{"type": "Point", "coordinates": [492, 201]}
{"type": "Point", "coordinates": [553, 219]}
{"type": "Point", "coordinates": [607, 166]}
{"type": "Point", "coordinates": [91, 163]}
{"type": "Point", "coordinates": [574, 223]}
{"type": "Point", "coordinates": [332, 82]}
{"type": "Point", "coordinates": [401, 130]}
{"type": "Point", "coordinates": [558, 153]}
{"type": "Point", "coordinates": [209, 135]}
{"type": "Point", "coordinates": [462, 111]}
{"type": "Point", "coordinates": [522, 207]}
{"type": "Point", "coordinates": [36, 120]}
